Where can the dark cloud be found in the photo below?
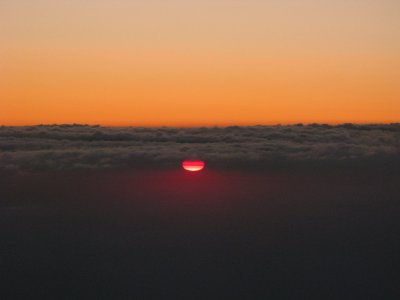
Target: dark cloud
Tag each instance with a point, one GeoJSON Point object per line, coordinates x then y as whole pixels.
{"type": "Point", "coordinates": [60, 147]}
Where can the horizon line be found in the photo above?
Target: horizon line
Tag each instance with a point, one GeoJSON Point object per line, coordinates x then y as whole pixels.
{"type": "Point", "coordinates": [205, 125]}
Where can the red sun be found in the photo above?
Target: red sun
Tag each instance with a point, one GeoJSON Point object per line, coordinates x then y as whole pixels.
{"type": "Point", "coordinates": [193, 165]}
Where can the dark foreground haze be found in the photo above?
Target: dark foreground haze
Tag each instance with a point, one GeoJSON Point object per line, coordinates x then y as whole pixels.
{"type": "Point", "coordinates": [280, 212]}
{"type": "Point", "coordinates": [218, 234]}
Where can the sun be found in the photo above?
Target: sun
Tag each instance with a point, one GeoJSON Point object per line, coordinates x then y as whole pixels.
{"type": "Point", "coordinates": [193, 165]}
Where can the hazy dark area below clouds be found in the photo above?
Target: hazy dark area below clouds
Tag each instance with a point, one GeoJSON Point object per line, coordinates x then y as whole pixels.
{"type": "Point", "coordinates": [64, 147]}
{"type": "Point", "coordinates": [129, 231]}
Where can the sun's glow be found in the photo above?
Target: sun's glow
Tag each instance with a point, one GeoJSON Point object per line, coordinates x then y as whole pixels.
{"type": "Point", "coordinates": [193, 165]}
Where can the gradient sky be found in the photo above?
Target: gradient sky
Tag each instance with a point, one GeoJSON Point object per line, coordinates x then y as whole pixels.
{"type": "Point", "coordinates": [208, 62]}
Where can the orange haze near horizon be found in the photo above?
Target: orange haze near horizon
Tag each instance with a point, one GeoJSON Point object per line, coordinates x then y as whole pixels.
{"type": "Point", "coordinates": [199, 63]}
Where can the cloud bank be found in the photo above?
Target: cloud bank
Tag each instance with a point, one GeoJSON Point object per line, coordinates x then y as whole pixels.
{"type": "Point", "coordinates": [65, 147]}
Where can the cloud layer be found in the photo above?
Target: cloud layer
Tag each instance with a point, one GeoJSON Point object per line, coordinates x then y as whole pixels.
{"type": "Point", "coordinates": [63, 147]}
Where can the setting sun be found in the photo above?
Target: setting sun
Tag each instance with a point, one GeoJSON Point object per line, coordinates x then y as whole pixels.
{"type": "Point", "coordinates": [193, 165]}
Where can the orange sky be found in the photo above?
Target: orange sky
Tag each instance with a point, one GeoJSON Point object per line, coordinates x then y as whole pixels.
{"type": "Point", "coordinates": [203, 62]}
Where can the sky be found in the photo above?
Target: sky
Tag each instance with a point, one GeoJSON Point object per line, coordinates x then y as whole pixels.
{"type": "Point", "coordinates": [192, 63]}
